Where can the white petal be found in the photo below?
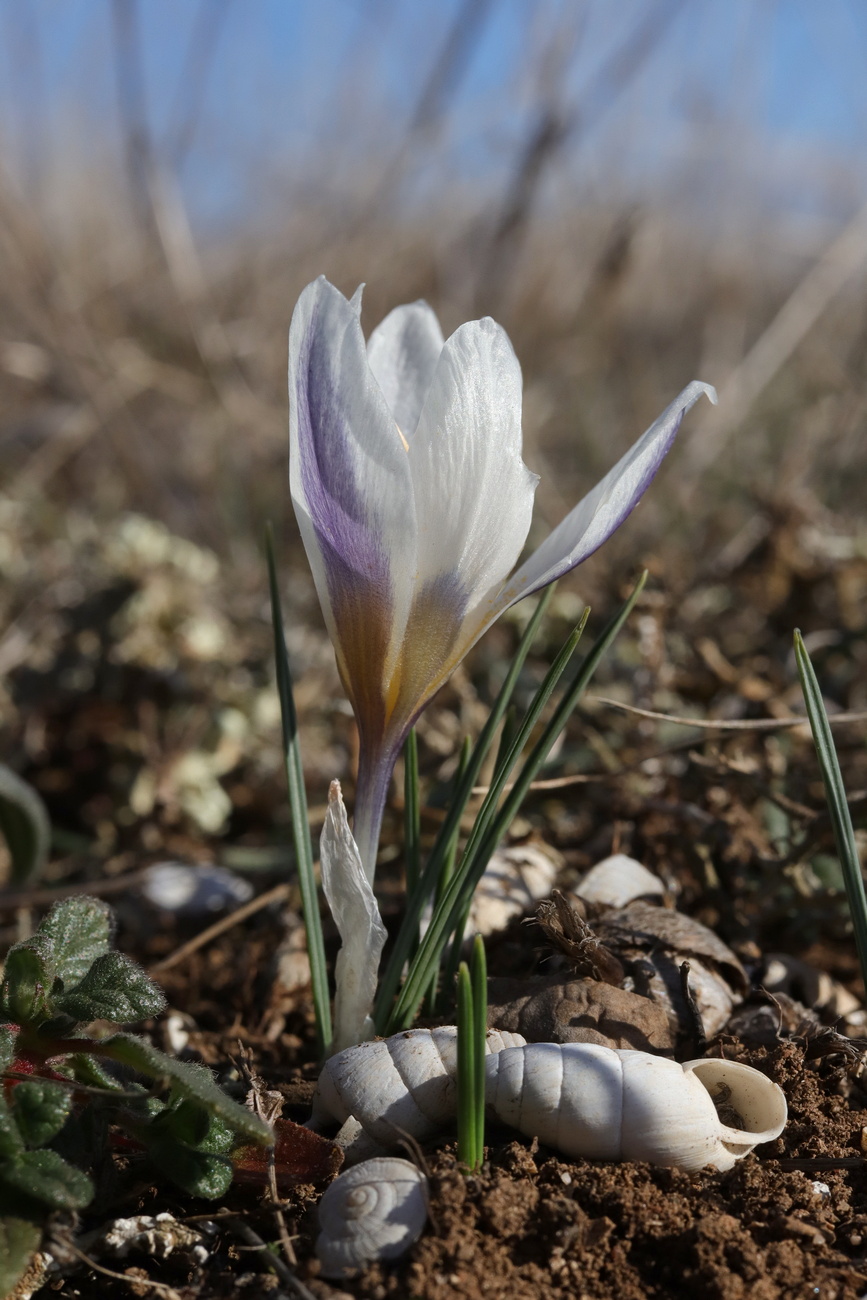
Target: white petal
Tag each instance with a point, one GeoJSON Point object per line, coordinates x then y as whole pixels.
{"type": "Point", "coordinates": [351, 487]}
{"type": "Point", "coordinates": [357, 918]}
{"type": "Point", "coordinates": [596, 517]}
{"type": "Point", "coordinates": [473, 492]}
{"type": "Point", "coordinates": [403, 352]}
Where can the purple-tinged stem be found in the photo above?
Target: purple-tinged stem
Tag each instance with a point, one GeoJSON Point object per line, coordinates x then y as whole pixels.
{"type": "Point", "coordinates": [371, 792]}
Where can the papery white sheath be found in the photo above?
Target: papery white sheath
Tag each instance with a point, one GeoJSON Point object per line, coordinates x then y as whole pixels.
{"type": "Point", "coordinates": [350, 897]}
{"type": "Point", "coordinates": [414, 504]}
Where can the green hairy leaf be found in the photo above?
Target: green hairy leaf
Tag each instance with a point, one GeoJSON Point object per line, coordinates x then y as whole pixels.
{"type": "Point", "coordinates": [80, 930]}
{"type": "Point", "coordinates": [46, 1177]}
{"type": "Point", "coordinates": [7, 1046]}
{"type": "Point", "coordinates": [201, 1167]}
{"type": "Point", "coordinates": [28, 981]}
{"type": "Point", "coordinates": [40, 1109]}
{"type": "Point", "coordinates": [25, 826]}
{"type": "Point", "coordinates": [188, 1122]}
{"type": "Point", "coordinates": [186, 1080]}
{"type": "Point", "coordinates": [19, 1241]}
{"type": "Point", "coordinates": [11, 1141]}
{"type": "Point", "coordinates": [115, 988]}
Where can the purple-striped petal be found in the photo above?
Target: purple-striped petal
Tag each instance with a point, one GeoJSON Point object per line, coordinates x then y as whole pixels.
{"type": "Point", "coordinates": [352, 493]}
{"type": "Point", "coordinates": [604, 509]}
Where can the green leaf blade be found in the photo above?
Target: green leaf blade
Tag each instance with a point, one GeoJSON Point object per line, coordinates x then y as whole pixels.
{"type": "Point", "coordinates": [838, 805]}
{"type": "Point", "coordinates": [115, 988]}
{"type": "Point", "coordinates": [408, 935]}
{"type": "Point", "coordinates": [300, 816]}
{"type": "Point", "coordinates": [186, 1080]}
{"type": "Point", "coordinates": [25, 826]}
{"type": "Point", "coordinates": [467, 1140]}
{"type": "Point", "coordinates": [80, 930]}
{"type": "Point", "coordinates": [28, 981]}
{"type": "Point", "coordinates": [46, 1177]}
{"type": "Point", "coordinates": [40, 1109]}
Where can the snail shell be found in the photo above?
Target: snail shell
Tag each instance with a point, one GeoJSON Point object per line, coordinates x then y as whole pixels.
{"type": "Point", "coordinates": [579, 1098]}
{"type": "Point", "coordinates": [403, 1084]}
{"type": "Point", "coordinates": [607, 1104]}
{"type": "Point", "coordinates": [376, 1210]}
{"type": "Point", "coordinates": [619, 880]}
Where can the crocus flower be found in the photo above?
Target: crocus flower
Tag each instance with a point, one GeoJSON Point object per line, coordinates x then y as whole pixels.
{"type": "Point", "coordinates": [414, 505]}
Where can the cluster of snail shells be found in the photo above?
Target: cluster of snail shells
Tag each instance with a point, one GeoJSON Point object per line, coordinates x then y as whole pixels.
{"type": "Point", "coordinates": [383, 1089]}
{"type": "Point", "coordinates": [581, 1099]}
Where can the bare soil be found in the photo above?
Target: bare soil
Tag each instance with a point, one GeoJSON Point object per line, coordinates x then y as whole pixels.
{"type": "Point", "coordinates": [733, 822]}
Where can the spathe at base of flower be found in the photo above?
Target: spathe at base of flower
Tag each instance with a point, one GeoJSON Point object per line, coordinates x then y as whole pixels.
{"type": "Point", "coordinates": [357, 918]}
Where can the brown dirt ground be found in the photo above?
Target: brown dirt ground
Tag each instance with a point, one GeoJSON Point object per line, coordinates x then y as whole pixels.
{"type": "Point", "coordinates": [735, 823]}
{"type": "Point", "coordinates": [530, 1226]}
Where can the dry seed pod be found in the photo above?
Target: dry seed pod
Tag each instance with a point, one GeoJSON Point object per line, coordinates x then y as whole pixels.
{"type": "Point", "coordinates": [604, 1104]}
{"type": "Point", "coordinates": [375, 1210]}
{"type": "Point", "coordinates": [403, 1084]}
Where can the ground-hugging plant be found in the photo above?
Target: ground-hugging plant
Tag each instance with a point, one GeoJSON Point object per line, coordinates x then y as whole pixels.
{"type": "Point", "coordinates": [69, 1098]}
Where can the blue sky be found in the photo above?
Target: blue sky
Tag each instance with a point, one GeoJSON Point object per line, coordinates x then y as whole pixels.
{"type": "Point", "coordinates": [769, 93]}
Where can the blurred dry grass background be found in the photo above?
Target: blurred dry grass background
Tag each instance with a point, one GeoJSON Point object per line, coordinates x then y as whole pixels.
{"type": "Point", "coordinates": [142, 372]}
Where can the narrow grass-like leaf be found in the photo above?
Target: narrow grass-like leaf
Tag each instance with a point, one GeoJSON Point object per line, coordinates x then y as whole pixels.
{"type": "Point", "coordinates": [445, 914]}
{"type": "Point", "coordinates": [300, 820]}
{"type": "Point", "coordinates": [467, 1141]}
{"type": "Point", "coordinates": [446, 872]}
{"type": "Point", "coordinates": [492, 823]}
{"type": "Point", "coordinates": [24, 825]}
{"type": "Point", "coordinates": [499, 824]}
{"type": "Point", "coordinates": [411, 815]}
{"type": "Point", "coordinates": [835, 794]}
{"type": "Point", "coordinates": [479, 981]}
{"type": "Point", "coordinates": [407, 936]}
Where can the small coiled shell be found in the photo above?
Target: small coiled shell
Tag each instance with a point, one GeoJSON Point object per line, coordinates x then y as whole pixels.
{"type": "Point", "coordinates": [376, 1210]}
{"type": "Point", "coordinates": [607, 1104]}
{"type": "Point", "coordinates": [403, 1084]}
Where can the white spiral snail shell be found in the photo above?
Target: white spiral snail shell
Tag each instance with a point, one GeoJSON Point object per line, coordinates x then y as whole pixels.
{"type": "Point", "coordinates": [579, 1098]}
{"type": "Point", "coordinates": [606, 1104]}
{"type": "Point", "coordinates": [376, 1210]}
{"type": "Point", "coordinates": [404, 1084]}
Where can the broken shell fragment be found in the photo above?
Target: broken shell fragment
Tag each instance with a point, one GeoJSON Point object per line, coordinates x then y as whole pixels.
{"type": "Point", "coordinates": [373, 1211]}
{"type": "Point", "coordinates": [604, 1104]}
{"type": "Point", "coordinates": [619, 880]}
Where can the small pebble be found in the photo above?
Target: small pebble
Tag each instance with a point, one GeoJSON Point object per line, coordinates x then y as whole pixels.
{"type": "Point", "coordinates": [821, 1189]}
{"type": "Point", "coordinates": [566, 1177]}
{"type": "Point", "coordinates": [194, 891]}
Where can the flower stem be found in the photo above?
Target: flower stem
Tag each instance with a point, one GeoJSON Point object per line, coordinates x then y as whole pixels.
{"type": "Point", "coordinates": [371, 792]}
